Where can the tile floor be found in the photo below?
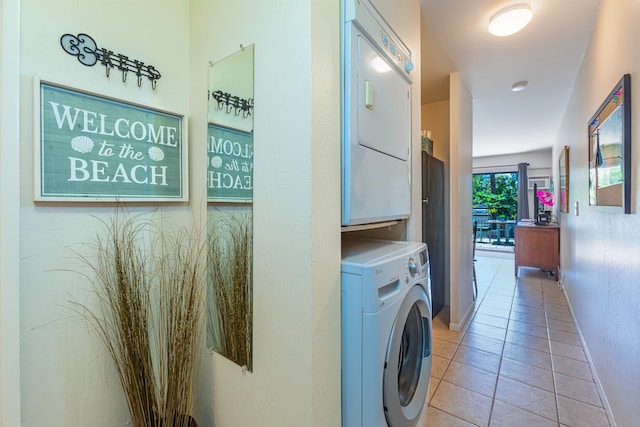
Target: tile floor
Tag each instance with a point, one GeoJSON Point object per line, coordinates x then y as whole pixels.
{"type": "Point", "coordinates": [518, 361]}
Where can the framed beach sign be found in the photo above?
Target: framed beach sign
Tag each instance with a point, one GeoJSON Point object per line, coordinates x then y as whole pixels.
{"type": "Point", "coordinates": [230, 165]}
{"type": "Point", "coordinates": [89, 147]}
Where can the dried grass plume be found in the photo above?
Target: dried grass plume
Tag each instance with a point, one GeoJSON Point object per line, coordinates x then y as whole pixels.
{"type": "Point", "coordinates": [149, 286]}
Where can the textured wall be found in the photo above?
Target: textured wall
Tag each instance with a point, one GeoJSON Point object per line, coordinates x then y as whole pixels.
{"type": "Point", "coordinates": [600, 248]}
{"type": "Point", "coordinates": [67, 377]}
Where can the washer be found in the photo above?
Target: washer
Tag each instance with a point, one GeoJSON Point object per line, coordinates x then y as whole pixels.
{"type": "Point", "coordinates": [386, 332]}
{"type": "Point", "coordinates": [376, 124]}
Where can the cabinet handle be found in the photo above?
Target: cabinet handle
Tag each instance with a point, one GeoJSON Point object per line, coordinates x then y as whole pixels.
{"type": "Point", "coordinates": [425, 201]}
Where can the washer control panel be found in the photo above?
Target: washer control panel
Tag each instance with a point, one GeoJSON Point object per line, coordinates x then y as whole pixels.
{"type": "Point", "coordinates": [413, 268]}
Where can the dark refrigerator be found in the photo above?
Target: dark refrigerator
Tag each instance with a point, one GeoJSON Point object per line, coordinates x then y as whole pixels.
{"type": "Point", "coordinates": [433, 224]}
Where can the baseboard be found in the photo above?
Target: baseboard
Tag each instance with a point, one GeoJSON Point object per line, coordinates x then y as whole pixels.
{"type": "Point", "coordinates": [594, 373]}
{"type": "Point", "coordinates": [457, 327]}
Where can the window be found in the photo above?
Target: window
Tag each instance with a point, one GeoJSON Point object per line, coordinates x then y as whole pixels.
{"type": "Point", "coordinates": [497, 192]}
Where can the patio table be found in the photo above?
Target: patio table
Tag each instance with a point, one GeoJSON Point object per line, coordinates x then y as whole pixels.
{"type": "Point", "coordinates": [500, 225]}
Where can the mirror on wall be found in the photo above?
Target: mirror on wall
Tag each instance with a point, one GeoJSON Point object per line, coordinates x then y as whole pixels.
{"type": "Point", "coordinates": [230, 207]}
{"type": "Point", "coordinates": [610, 149]}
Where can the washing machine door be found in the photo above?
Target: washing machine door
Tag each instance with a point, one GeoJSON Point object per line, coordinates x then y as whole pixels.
{"type": "Point", "coordinates": [408, 361]}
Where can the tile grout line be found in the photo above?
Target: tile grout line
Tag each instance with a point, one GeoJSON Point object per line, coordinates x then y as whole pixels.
{"type": "Point", "coordinates": [504, 342]}
{"type": "Point", "coordinates": [553, 371]}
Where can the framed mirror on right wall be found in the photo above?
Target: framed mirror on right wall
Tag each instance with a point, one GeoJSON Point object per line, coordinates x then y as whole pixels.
{"type": "Point", "coordinates": [563, 168]}
{"type": "Point", "coordinates": [609, 133]}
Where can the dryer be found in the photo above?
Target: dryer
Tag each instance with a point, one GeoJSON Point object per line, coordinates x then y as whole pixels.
{"type": "Point", "coordinates": [376, 118]}
{"type": "Point", "coordinates": [386, 332]}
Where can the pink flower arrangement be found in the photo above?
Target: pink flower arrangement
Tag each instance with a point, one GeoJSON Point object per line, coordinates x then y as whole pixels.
{"type": "Point", "coordinates": [545, 198]}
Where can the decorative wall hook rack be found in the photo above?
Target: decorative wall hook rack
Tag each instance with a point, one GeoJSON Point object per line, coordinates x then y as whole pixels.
{"type": "Point", "coordinates": [88, 53]}
{"type": "Point", "coordinates": [230, 103]}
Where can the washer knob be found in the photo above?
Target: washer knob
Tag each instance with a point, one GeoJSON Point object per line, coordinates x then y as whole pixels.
{"type": "Point", "coordinates": [393, 49]}
{"type": "Point", "coordinates": [385, 39]}
{"type": "Point", "coordinates": [413, 268]}
{"type": "Point", "coordinates": [408, 66]}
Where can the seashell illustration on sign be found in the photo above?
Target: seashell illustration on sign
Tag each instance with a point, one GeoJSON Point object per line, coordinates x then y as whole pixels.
{"type": "Point", "coordinates": [82, 144]}
{"type": "Point", "coordinates": [156, 154]}
{"type": "Point", "coordinates": [216, 162]}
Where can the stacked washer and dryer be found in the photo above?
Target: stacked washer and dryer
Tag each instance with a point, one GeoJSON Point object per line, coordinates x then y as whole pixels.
{"type": "Point", "coordinates": [386, 290]}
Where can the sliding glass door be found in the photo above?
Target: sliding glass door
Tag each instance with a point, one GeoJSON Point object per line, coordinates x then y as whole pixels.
{"type": "Point", "coordinates": [496, 192]}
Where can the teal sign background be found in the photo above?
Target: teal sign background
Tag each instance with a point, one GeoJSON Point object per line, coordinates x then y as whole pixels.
{"type": "Point", "coordinates": [95, 147]}
{"type": "Point", "coordinates": [230, 170]}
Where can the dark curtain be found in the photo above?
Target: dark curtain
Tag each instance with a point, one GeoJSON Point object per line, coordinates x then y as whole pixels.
{"type": "Point", "coordinates": [523, 192]}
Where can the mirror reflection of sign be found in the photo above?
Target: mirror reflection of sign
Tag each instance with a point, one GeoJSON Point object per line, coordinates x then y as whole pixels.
{"type": "Point", "coordinates": [92, 146]}
{"type": "Point", "coordinates": [230, 159]}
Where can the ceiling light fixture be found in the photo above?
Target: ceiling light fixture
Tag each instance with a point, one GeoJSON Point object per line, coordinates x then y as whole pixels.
{"type": "Point", "coordinates": [510, 19]}
{"type": "Point", "coordinates": [519, 86]}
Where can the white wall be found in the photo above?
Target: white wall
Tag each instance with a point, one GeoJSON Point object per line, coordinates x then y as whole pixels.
{"type": "Point", "coordinates": [67, 378]}
{"type": "Point", "coordinates": [461, 257]}
{"type": "Point", "coordinates": [600, 249]}
{"type": "Point", "coordinates": [10, 218]}
{"type": "Point", "coordinates": [66, 375]}
{"type": "Point", "coordinates": [296, 348]}
{"type": "Point", "coordinates": [539, 162]}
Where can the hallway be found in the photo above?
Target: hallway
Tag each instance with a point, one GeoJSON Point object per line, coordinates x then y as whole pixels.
{"type": "Point", "coordinates": [518, 362]}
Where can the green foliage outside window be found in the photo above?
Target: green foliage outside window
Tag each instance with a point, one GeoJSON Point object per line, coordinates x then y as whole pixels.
{"type": "Point", "coordinates": [502, 201]}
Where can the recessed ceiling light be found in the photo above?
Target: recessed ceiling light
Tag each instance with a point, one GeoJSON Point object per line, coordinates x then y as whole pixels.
{"type": "Point", "coordinates": [519, 86]}
{"type": "Point", "coordinates": [510, 19]}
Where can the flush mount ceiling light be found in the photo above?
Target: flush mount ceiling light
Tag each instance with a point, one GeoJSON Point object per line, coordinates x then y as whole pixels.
{"type": "Point", "coordinates": [510, 20]}
{"type": "Point", "coordinates": [519, 86]}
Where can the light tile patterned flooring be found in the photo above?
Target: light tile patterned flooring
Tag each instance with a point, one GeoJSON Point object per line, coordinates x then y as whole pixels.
{"type": "Point", "coordinates": [518, 361]}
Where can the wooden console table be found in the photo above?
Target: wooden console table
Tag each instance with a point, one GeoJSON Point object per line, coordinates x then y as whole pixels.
{"type": "Point", "coordinates": [537, 246]}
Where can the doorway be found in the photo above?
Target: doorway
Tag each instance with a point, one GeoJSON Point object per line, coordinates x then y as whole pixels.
{"type": "Point", "coordinates": [495, 206]}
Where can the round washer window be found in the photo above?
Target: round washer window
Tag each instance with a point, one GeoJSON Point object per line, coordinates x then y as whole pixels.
{"type": "Point", "coordinates": [408, 361]}
{"type": "Point", "coordinates": [411, 356]}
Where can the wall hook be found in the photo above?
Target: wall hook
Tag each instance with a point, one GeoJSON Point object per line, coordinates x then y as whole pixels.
{"type": "Point", "coordinates": [88, 53]}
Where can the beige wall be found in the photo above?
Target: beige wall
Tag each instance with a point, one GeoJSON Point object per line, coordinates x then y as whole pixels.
{"type": "Point", "coordinates": [64, 372]}
{"type": "Point", "coordinates": [461, 235]}
{"type": "Point", "coordinates": [451, 124]}
{"type": "Point", "coordinates": [600, 248]}
{"type": "Point", "coordinates": [296, 372]}
{"type": "Point", "coordinates": [435, 117]}
{"type": "Point", "coordinates": [66, 376]}
{"type": "Point", "coordinates": [10, 217]}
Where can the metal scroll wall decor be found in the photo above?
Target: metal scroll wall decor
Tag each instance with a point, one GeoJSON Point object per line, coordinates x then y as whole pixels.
{"type": "Point", "coordinates": [88, 53]}
{"type": "Point", "coordinates": [230, 103]}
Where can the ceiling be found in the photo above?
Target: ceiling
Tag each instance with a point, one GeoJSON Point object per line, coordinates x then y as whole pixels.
{"type": "Point", "coordinates": [547, 53]}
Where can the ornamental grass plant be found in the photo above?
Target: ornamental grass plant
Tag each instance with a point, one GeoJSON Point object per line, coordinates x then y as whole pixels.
{"type": "Point", "coordinates": [230, 287]}
{"type": "Point", "coordinates": [149, 288]}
